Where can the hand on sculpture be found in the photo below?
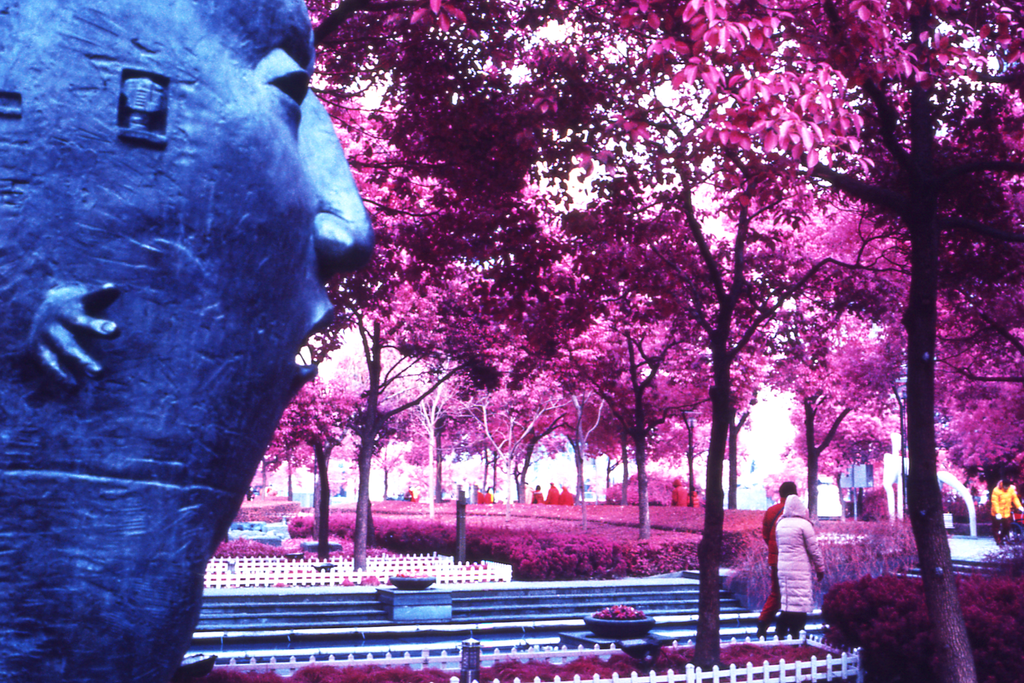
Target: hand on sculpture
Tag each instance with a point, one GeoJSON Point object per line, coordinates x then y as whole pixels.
{"type": "Point", "coordinates": [67, 313]}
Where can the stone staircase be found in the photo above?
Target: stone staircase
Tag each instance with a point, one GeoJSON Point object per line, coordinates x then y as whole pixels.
{"type": "Point", "coordinates": [359, 608]}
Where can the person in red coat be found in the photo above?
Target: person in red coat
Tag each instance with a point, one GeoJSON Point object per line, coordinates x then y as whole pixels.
{"type": "Point", "coordinates": [552, 498]}
{"type": "Point", "coordinates": [566, 498]}
{"type": "Point", "coordinates": [538, 496]}
{"type": "Point", "coordinates": [771, 517]}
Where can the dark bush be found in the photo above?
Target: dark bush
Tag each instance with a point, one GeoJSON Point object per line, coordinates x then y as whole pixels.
{"type": "Point", "coordinates": [887, 618]}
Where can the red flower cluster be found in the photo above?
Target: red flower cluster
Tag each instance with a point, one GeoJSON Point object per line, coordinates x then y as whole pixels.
{"type": "Point", "coordinates": [620, 612]}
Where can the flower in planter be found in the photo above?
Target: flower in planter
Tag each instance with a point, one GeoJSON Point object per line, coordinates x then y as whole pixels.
{"type": "Point", "coordinates": [620, 612]}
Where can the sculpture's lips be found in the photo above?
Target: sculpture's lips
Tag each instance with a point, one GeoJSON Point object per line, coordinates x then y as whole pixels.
{"type": "Point", "coordinates": [306, 370]}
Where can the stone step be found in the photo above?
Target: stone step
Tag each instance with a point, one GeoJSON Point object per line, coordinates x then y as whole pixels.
{"type": "Point", "coordinates": [318, 608]}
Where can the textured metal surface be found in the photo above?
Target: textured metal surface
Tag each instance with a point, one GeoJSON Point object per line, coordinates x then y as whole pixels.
{"type": "Point", "coordinates": [159, 151]}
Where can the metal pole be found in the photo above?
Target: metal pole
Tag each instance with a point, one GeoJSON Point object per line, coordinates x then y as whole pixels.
{"type": "Point", "coordinates": [689, 451]}
{"type": "Point", "coordinates": [901, 397]}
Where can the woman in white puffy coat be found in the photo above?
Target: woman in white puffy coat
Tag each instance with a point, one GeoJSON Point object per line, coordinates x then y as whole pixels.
{"type": "Point", "coordinates": [799, 560]}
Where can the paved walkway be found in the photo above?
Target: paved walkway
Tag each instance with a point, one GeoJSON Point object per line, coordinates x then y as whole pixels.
{"type": "Point", "coordinates": [971, 548]}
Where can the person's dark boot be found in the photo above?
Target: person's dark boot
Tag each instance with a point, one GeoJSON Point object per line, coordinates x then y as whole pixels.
{"type": "Point", "coordinates": [762, 628]}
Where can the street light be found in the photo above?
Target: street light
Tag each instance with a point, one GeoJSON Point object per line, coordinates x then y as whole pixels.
{"type": "Point", "coordinates": [689, 420]}
{"type": "Point", "coordinates": [901, 398]}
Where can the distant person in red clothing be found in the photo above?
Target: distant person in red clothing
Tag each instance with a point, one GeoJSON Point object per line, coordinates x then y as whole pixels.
{"type": "Point", "coordinates": [678, 493]}
{"type": "Point", "coordinates": [566, 498]}
{"type": "Point", "coordinates": [538, 496]}
{"type": "Point", "coordinates": [552, 498]}
{"type": "Point", "coordinates": [771, 517]}
{"type": "Point", "coordinates": [489, 498]}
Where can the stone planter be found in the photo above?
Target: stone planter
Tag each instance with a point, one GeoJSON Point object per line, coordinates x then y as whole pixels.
{"type": "Point", "coordinates": [415, 605]}
{"type": "Point", "coordinates": [619, 629]}
{"type": "Point", "coordinates": [412, 583]}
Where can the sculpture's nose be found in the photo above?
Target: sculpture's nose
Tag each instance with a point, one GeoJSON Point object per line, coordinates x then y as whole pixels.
{"type": "Point", "coordinates": [344, 234]}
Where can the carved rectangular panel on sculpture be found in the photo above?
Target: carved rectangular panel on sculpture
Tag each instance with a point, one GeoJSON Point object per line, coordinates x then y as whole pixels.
{"type": "Point", "coordinates": [142, 108]}
{"type": "Point", "coordinates": [10, 105]}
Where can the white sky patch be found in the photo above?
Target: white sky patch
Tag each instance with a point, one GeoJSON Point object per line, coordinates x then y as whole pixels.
{"type": "Point", "coordinates": [771, 433]}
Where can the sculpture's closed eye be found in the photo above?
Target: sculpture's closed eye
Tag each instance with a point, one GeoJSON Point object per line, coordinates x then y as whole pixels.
{"type": "Point", "coordinates": [283, 72]}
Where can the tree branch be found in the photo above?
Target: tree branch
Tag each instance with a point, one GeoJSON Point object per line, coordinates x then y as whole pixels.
{"type": "Point", "coordinates": [889, 120]}
{"type": "Point", "coordinates": [872, 194]}
{"type": "Point", "coordinates": [387, 415]}
{"type": "Point", "coordinates": [980, 166]}
{"type": "Point", "coordinates": [833, 429]}
{"type": "Point", "coordinates": [980, 228]}
{"type": "Point", "coordinates": [346, 9]}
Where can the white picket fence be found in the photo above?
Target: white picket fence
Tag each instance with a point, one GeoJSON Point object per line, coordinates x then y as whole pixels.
{"type": "Point", "coordinates": [830, 667]}
{"type": "Point", "coordinates": [260, 572]}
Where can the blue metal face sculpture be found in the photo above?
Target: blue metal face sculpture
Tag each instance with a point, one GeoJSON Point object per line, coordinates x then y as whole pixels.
{"type": "Point", "coordinates": [171, 199]}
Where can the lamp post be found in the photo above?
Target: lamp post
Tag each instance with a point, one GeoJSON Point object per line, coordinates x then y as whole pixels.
{"type": "Point", "coordinates": [688, 419]}
{"type": "Point", "coordinates": [901, 398]}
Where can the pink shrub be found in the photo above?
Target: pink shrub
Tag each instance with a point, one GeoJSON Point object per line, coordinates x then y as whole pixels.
{"type": "Point", "coordinates": [340, 525]}
{"type": "Point", "coordinates": [243, 547]}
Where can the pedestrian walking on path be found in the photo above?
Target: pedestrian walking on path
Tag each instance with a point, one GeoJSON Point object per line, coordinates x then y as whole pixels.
{"type": "Point", "coordinates": [1004, 502]}
{"type": "Point", "coordinates": [771, 516]}
{"type": "Point", "coordinates": [799, 560]}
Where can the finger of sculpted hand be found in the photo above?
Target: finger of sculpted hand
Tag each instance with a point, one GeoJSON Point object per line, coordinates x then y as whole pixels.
{"type": "Point", "coordinates": [67, 315]}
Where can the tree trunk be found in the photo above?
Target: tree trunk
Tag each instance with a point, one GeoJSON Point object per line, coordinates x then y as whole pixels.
{"type": "Point", "coordinates": [438, 474]}
{"type": "Point", "coordinates": [290, 493]}
{"type": "Point", "coordinates": [709, 551]}
{"type": "Point", "coordinates": [487, 465]}
{"type": "Point", "coordinates": [640, 450]}
{"type": "Point", "coordinates": [955, 659]}
{"type": "Point", "coordinates": [316, 500]}
{"type": "Point", "coordinates": [580, 484]}
{"type": "Point", "coordinates": [361, 531]}
{"type": "Point", "coordinates": [625, 470]}
{"type": "Point", "coordinates": [367, 439]}
{"type": "Point", "coordinates": [734, 434]}
{"type": "Point", "coordinates": [812, 458]}
{"type": "Point", "coordinates": [323, 544]}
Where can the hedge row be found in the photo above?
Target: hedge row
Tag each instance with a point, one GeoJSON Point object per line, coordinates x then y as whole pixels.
{"type": "Point", "coordinates": [538, 556]}
{"type": "Point", "coordinates": [887, 618]}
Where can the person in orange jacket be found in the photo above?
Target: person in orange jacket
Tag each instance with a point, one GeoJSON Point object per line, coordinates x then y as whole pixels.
{"type": "Point", "coordinates": [552, 498]}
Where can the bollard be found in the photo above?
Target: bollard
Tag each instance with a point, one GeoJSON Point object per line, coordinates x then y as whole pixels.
{"type": "Point", "coordinates": [460, 528]}
{"type": "Point", "coordinates": [469, 664]}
